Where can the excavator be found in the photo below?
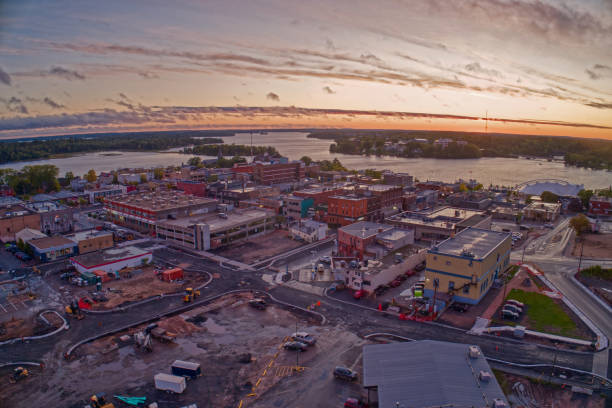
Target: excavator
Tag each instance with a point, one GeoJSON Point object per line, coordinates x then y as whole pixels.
{"type": "Point", "coordinates": [99, 401]}
{"type": "Point", "coordinates": [19, 374]}
{"type": "Point", "coordinates": [74, 310]}
{"type": "Point", "coordinates": [190, 295]}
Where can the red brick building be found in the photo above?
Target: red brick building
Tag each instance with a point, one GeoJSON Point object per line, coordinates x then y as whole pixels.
{"type": "Point", "coordinates": [345, 210]}
{"type": "Point", "coordinates": [319, 195]}
{"type": "Point", "coordinates": [195, 188]}
{"type": "Point", "coordinates": [388, 196]}
{"type": "Point", "coordinates": [354, 239]}
{"type": "Point", "coordinates": [277, 173]}
{"type": "Point", "coordinates": [599, 205]}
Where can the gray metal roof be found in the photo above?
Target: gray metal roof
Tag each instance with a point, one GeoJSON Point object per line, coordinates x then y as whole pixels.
{"type": "Point", "coordinates": [428, 373]}
{"type": "Point", "coordinates": [475, 240]}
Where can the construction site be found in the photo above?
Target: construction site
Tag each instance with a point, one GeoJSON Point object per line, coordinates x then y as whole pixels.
{"type": "Point", "coordinates": [261, 247]}
{"type": "Point", "coordinates": [239, 348]}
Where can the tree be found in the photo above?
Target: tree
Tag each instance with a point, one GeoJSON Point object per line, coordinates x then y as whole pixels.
{"type": "Point", "coordinates": [580, 224]}
{"type": "Point", "coordinates": [306, 160]}
{"type": "Point", "coordinates": [143, 178]}
{"type": "Point", "coordinates": [115, 178]}
{"type": "Point", "coordinates": [69, 176]}
{"type": "Point", "coordinates": [528, 200]}
{"type": "Point", "coordinates": [158, 173]}
{"type": "Point", "coordinates": [195, 161]}
{"type": "Point", "coordinates": [91, 176]}
{"type": "Point", "coordinates": [463, 188]}
{"type": "Point", "coordinates": [549, 197]}
{"type": "Point", "coordinates": [585, 197]}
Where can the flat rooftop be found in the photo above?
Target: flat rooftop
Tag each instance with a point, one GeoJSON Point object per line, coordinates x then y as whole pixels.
{"type": "Point", "coordinates": [349, 197]}
{"type": "Point", "coordinates": [51, 242]}
{"type": "Point", "coordinates": [379, 187]}
{"type": "Point", "coordinates": [428, 373]}
{"type": "Point", "coordinates": [474, 240]}
{"type": "Point", "coordinates": [98, 258]}
{"type": "Point", "coordinates": [217, 223]}
{"type": "Point", "coordinates": [394, 234]}
{"type": "Point", "coordinates": [88, 234]}
{"type": "Point", "coordinates": [15, 211]}
{"type": "Point", "coordinates": [159, 201]}
{"type": "Point", "coordinates": [444, 217]}
{"type": "Point", "coordinates": [365, 229]}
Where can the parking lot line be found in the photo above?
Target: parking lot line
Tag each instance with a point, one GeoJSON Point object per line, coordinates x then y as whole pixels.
{"type": "Point", "coordinates": [13, 305]}
{"type": "Point", "coordinates": [2, 307]}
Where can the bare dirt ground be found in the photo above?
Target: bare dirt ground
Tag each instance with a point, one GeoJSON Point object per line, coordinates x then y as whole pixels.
{"type": "Point", "coordinates": [32, 326]}
{"type": "Point", "coordinates": [545, 394]}
{"type": "Point", "coordinates": [217, 336]}
{"type": "Point", "coordinates": [601, 287]}
{"type": "Point", "coordinates": [595, 246]}
{"type": "Point", "coordinates": [260, 247]}
{"type": "Point", "coordinates": [138, 287]}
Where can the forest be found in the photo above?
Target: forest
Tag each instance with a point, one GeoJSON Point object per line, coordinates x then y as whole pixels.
{"type": "Point", "coordinates": [580, 152]}
{"type": "Point", "coordinates": [231, 150]}
{"type": "Point", "coordinates": [44, 148]}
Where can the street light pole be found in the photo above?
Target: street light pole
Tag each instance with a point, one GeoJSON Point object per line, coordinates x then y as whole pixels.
{"type": "Point", "coordinates": [581, 250]}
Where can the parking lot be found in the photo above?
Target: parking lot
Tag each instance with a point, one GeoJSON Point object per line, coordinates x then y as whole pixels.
{"type": "Point", "coordinates": [239, 349]}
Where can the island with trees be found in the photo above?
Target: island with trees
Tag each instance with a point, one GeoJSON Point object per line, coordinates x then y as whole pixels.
{"type": "Point", "coordinates": [580, 152]}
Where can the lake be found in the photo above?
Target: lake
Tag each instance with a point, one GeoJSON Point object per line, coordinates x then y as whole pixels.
{"type": "Point", "coordinates": [497, 171]}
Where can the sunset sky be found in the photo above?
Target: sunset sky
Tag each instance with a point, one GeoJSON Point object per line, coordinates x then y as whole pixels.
{"type": "Point", "coordinates": [536, 67]}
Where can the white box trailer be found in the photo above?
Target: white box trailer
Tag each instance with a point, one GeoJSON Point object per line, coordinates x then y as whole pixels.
{"type": "Point", "coordinates": [170, 383]}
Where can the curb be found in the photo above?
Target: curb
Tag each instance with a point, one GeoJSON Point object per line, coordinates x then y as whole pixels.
{"type": "Point", "coordinates": [64, 326]}
{"type": "Point", "coordinates": [591, 294]}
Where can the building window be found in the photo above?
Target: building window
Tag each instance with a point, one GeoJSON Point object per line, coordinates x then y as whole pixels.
{"type": "Point", "coordinates": [451, 285]}
{"type": "Point", "coordinates": [448, 262]}
{"type": "Point", "coordinates": [466, 288]}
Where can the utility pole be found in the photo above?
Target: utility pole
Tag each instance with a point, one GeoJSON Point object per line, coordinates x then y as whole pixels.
{"type": "Point", "coordinates": [581, 250]}
{"type": "Point", "coordinates": [297, 355]}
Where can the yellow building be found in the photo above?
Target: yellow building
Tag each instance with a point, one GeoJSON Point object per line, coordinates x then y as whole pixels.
{"type": "Point", "coordinates": [465, 266]}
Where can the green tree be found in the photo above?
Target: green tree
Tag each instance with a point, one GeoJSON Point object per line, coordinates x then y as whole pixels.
{"type": "Point", "coordinates": [306, 160]}
{"type": "Point", "coordinates": [585, 196]}
{"type": "Point", "coordinates": [91, 176]}
{"type": "Point", "coordinates": [158, 173]}
{"type": "Point", "coordinates": [195, 161]}
{"type": "Point", "coordinates": [580, 224]}
{"type": "Point", "coordinates": [463, 188]}
{"type": "Point", "coordinates": [69, 176]}
{"type": "Point", "coordinates": [143, 178]}
{"type": "Point", "coordinates": [212, 178]}
{"type": "Point", "coordinates": [115, 178]}
{"type": "Point", "coordinates": [528, 200]}
{"type": "Point", "coordinates": [549, 197]}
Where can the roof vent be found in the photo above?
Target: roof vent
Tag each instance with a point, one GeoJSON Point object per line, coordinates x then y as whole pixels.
{"type": "Point", "coordinates": [474, 352]}
{"type": "Point", "coordinates": [484, 376]}
{"type": "Point", "coordinates": [499, 403]}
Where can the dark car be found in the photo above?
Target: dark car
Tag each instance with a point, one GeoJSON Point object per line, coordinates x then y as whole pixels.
{"type": "Point", "coordinates": [396, 283]}
{"type": "Point", "coordinates": [295, 345]}
{"type": "Point", "coordinates": [460, 307]}
{"type": "Point", "coordinates": [380, 290]}
{"type": "Point", "coordinates": [513, 307]}
{"type": "Point", "coordinates": [344, 373]}
{"type": "Point", "coordinates": [258, 304]}
{"type": "Point", "coordinates": [12, 249]}
{"type": "Point", "coordinates": [509, 314]}
{"type": "Point", "coordinates": [304, 337]}
{"type": "Point", "coordinates": [419, 267]}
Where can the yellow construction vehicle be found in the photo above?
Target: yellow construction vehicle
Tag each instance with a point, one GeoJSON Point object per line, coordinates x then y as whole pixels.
{"type": "Point", "coordinates": [99, 401]}
{"type": "Point", "coordinates": [19, 374]}
{"type": "Point", "coordinates": [190, 295]}
{"type": "Point", "coordinates": [74, 310]}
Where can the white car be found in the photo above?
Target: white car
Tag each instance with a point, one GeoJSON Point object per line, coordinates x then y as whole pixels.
{"type": "Point", "coordinates": [304, 337]}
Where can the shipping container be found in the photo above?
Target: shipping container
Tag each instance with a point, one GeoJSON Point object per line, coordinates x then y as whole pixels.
{"type": "Point", "coordinates": [172, 274]}
{"type": "Point", "coordinates": [170, 383]}
{"type": "Point", "coordinates": [186, 369]}
{"type": "Point", "coordinates": [89, 277]}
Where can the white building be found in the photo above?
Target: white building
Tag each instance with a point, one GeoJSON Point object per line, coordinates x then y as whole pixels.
{"type": "Point", "coordinates": [309, 231]}
{"type": "Point", "coordinates": [111, 260]}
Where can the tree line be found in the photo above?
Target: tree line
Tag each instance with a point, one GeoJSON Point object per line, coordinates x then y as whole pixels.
{"type": "Point", "coordinates": [33, 149]}
{"type": "Point", "coordinates": [581, 152]}
{"type": "Point", "coordinates": [231, 150]}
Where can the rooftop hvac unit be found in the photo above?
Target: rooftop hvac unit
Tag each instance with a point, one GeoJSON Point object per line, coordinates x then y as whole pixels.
{"type": "Point", "coordinates": [484, 376]}
{"type": "Point", "coordinates": [499, 403]}
{"type": "Point", "coordinates": [474, 352]}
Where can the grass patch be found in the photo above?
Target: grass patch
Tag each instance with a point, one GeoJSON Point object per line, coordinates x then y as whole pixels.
{"type": "Point", "coordinates": [511, 272]}
{"type": "Point", "coordinates": [503, 382]}
{"type": "Point", "coordinates": [544, 314]}
{"type": "Point", "coordinates": [597, 271]}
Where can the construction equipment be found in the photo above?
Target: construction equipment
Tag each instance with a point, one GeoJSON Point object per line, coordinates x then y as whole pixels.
{"type": "Point", "coordinates": [74, 310]}
{"type": "Point", "coordinates": [135, 401]}
{"type": "Point", "coordinates": [143, 340]}
{"type": "Point", "coordinates": [190, 295]}
{"type": "Point", "coordinates": [99, 401]}
{"type": "Point", "coordinates": [19, 374]}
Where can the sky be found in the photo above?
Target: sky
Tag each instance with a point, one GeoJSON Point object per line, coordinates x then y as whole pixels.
{"type": "Point", "coordinates": [533, 67]}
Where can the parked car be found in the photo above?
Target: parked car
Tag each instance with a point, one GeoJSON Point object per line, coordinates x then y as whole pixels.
{"type": "Point", "coordinates": [295, 345]}
{"type": "Point", "coordinates": [509, 314]}
{"type": "Point", "coordinates": [354, 403]}
{"type": "Point", "coordinates": [420, 267]}
{"type": "Point", "coordinates": [409, 273]}
{"type": "Point", "coordinates": [23, 256]}
{"type": "Point", "coordinates": [344, 373]}
{"type": "Point", "coordinates": [380, 290]}
{"type": "Point", "coordinates": [259, 304]}
{"type": "Point", "coordinates": [402, 277]}
{"type": "Point", "coordinates": [12, 249]}
{"type": "Point", "coordinates": [325, 260]}
{"type": "Point", "coordinates": [460, 307]}
{"type": "Point", "coordinates": [396, 283]}
{"type": "Point", "coordinates": [515, 302]}
{"type": "Point", "coordinates": [513, 307]}
{"type": "Point", "coordinates": [304, 337]}
{"type": "Point", "coordinates": [359, 294]}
